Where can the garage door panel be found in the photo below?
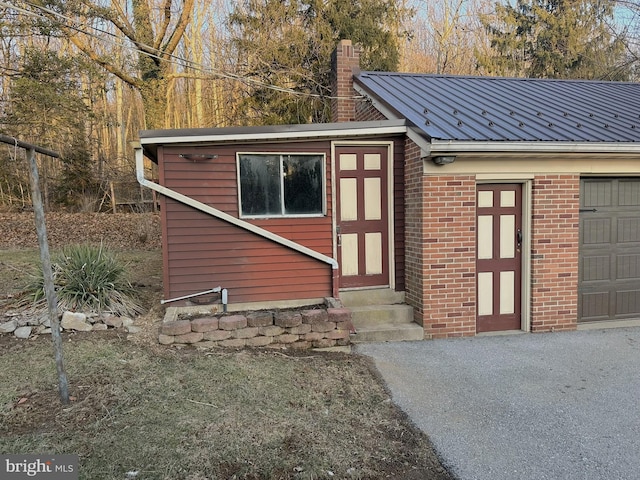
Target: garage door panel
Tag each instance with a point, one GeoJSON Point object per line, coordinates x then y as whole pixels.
{"type": "Point", "coordinates": [629, 193]}
{"type": "Point", "coordinates": [595, 306]}
{"type": "Point", "coordinates": [596, 193]}
{"type": "Point", "coordinates": [629, 230]}
{"type": "Point", "coordinates": [609, 277]}
{"type": "Point", "coordinates": [628, 267]}
{"type": "Point", "coordinates": [596, 231]}
{"type": "Point", "coordinates": [628, 302]}
{"type": "Point", "coordinates": [595, 268]}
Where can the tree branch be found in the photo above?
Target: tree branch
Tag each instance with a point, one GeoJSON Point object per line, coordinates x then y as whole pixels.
{"type": "Point", "coordinates": [165, 25]}
{"type": "Point", "coordinates": [107, 65]}
{"type": "Point", "coordinates": [178, 31]}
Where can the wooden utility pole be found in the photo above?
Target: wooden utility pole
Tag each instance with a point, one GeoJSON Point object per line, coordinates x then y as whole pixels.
{"type": "Point", "coordinates": [45, 258]}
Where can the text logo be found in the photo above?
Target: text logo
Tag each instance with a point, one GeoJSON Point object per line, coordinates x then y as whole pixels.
{"type": "Point", "coordinates": [49, 467]}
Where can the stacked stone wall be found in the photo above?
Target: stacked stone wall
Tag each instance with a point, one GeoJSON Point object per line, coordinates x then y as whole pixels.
{"type": "Point", "coordinates": [298, 329]}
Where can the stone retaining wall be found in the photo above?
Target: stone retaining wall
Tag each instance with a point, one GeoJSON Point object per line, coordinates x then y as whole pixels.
{"type": "Point", "coordinates": [301, 329]}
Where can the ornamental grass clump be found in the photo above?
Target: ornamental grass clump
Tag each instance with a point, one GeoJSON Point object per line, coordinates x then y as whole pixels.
{"type": "Point", "coordinates": [89, 278]}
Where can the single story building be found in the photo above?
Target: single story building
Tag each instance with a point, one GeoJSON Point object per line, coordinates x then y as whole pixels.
{"type": "Point", "coordinates": [489, 203]}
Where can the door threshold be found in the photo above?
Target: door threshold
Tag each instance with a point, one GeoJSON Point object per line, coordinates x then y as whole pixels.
{"type": "Point", "coordinates": [500, 333]}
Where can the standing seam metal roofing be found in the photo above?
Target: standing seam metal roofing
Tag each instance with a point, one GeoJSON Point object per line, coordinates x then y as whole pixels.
{"type": "Point", "coordinates": [467, 108]}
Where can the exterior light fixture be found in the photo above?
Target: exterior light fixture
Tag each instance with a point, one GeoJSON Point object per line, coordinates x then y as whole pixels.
{"type": "Point", "coordinates": [443, 160]}
{"type": "Point", "coordinates": [198, 157]}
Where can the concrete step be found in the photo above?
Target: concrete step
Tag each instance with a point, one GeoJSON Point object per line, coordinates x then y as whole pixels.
{"type": "Point", "coordinates": [389, 333]}
{"type": "Point", "coordinates": [380, 315]}
{"type": "Point", "coordinates": [376, 296]}
{"type": "Point", "coordinates": [371, 315]}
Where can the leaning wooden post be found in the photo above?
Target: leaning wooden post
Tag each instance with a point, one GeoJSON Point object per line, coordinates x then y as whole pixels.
{"type": "Point", "coordinates": [49, 288]}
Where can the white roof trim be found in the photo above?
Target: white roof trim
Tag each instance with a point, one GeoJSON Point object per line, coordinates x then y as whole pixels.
{"type": "Point", "coordinates": [281, 135]}
{"type": "Point", "coordinates": [439, 147]}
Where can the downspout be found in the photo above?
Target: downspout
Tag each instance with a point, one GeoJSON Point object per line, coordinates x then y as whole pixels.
{"type": "Point", "coordinates": [214, 212]}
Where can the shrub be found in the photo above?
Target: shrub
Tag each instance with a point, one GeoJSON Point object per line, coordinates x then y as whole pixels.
{"type": "Point", "coordinates": [90, 278]}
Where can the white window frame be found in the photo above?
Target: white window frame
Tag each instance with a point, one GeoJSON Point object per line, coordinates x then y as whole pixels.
{"type": "Point", "coordinates": [281, 155]}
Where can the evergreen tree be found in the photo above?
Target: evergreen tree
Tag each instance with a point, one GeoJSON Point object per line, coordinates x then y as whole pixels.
{"type": "Point", "coordinates": [288, 45]}
{"type": "Point", "coordinates": [47, 107]}
{"type": "Point", "coordinates": [554, 39]}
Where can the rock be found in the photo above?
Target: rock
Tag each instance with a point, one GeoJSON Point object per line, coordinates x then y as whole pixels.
{"type": "Point", "coordinates": [314, 316]}
{"type": "Point", "coordinates": [332, 302]}
{"type": "Point", "coordinates": [191, 337]}
{"type": "Point", "coordinates": [22, 332]}
{"type": "Point", "coordinates": [233, 343]}
{"type": "Point", "coordinates": [339, 315]}
{"type": "Point", "coordinates": [300, 329]}
{"type": "Point", "coordinates": [23, 321]}
{"type": "Point", "coordinates": [75, 321]}
{"type": "Point", "coordinates": [126, 321]}
{"type": "Point", "coordinates": [8, 327]}
{"type": "Point", "coordinates": [337, 334]}
{"type": "Point", "coordinates": [271, 331]}
{"type": "Point", "coordinates": [217, 335]}
{"type": "Point", "coordinates": [113, 321]}
{"type": "Point", "coordinates": [323, 327]}
{"type": "Point", "coordinates": [232, 322]}
{"type": "Point", "coordinates": [165, 339]}
{"type": "Point", "coordinates": [287, 319]}
{"type": "Point", "coordinates": [248, 332]}
{"type": "Point", "coordinates": [260, 319]}
{"type": "Point", "coordinates": [259, 341]}
{"type": "Point", "coordinates": [287, 338]}
{"type": "Point", "coordinates": [204, 324]}
{"type": "Point", "coordinates": [179, 327]}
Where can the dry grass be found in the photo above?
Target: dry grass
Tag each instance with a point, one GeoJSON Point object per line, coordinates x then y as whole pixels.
{"type": "Point", "coordinates": [189, 414]}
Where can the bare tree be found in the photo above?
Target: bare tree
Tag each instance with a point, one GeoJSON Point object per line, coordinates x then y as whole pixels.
{"type": "Point", "coordinates": [444, 34]}
{"type": "Point", "coordinates": [151, 29]}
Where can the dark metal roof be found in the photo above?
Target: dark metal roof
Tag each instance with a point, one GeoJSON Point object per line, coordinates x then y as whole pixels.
{"type": "Point", "coordinates": [509, 109]}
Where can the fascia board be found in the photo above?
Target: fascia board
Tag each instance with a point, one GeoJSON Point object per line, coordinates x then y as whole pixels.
{"type": "Point", "coordinates": [439, 147]}
{"type": "Point", "coordinates": [345, 131]}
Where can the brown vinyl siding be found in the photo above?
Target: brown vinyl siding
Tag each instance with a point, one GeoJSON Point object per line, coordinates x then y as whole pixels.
{"type": "Point", "coordinates": [203, 252]}
{"type": "Point", "coordinates": [206, 252]}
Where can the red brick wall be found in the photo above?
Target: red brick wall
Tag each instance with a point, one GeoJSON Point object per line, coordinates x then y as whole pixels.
{"type": "Point", "coordinates": [554, 252]}
{"type": "Point", "coordinates": [449, 256]}
{"type": "Point", "coordinates": [413, 195]}
{"type": "Point", "coordinates": [366, 112]}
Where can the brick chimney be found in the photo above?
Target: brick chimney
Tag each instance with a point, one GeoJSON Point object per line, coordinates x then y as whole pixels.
{"type": "Point", "coordinates": [345, 63]}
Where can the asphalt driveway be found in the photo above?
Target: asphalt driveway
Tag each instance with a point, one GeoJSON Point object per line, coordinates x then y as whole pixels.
{"type": "Point", "coordinates": [530, 406]}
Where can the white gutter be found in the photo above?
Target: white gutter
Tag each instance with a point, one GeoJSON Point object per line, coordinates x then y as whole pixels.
{"type": "Point", "coordinates": [439, 147]}
{"type": "Point", "coordinates": [214, 212]}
